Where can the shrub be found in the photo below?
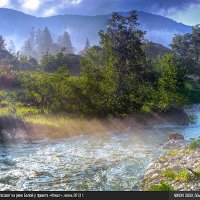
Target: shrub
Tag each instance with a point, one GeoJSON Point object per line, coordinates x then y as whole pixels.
{"type": "Point", "coordinates": [195, 144]}
{"type": "Point", "coordinates": [161, 187]}
{"type": "Point", "coordinates": [183, 175]}
{"type": "Point", "coordinates": [169, 174]}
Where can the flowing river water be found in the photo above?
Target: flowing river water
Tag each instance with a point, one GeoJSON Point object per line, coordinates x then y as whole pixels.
{"type": "Point", "coordinates": [111, 161]}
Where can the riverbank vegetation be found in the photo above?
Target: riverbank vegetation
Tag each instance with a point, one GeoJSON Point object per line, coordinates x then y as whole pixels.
{"type": "Point", "coordinates": [125, 75]}
{"type": "Point", "coordinates": [178, 169]}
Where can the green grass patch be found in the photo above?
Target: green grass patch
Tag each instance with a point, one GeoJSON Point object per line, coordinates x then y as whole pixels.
{"type": "Point", "coordinates": [197, 173]}
{"type": "Point", "coordinates": [18, 110]}
{"type": "Point", "coordinates": [195, 144]}
{"type": "Point", "coordinates": [183, 175]}
{"type": "Point", "coordinates": [47, 120]}
{"type": "Point", "coordinates": [171, 175]}
{"type": "Point", "coordinates": [161, 187]}
{"type": "Point", "coordinates": [169, 153]}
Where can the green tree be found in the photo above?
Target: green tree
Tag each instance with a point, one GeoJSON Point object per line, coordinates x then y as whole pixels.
{"type": "Point", "coordinates": [2, 43]}
{"type": "Point", "coordinates": [98, 83]}
{"type": "Point", "coordinates": [171, 83]}
{"type": "Point", "coordinates": [188, 49]}
{"type": "Point", "coordinates": [182, 44]}
{"type": "Point", "coordinates": [38, 44]}
{"type": "Point", "coordinates": [87, 45]}
{"type": "Point", "coordinates": [46, 42]}
{"type": "Point", "coordinates": [51, 63]}
{"type": "Point", "coordinates": [27, 49]}
{"type": "Point", "coordinates": [86, 48]}
{"type": "Point", "coordinates": [11, 47]}
{"type": "Point", "coordinates": [122, 44]}
{"type": "Point", "coordinates": [48, 63]}
{"type": "Point", "coordinates": [65, 43]}
{"type": "Point", "coordinates": [196, 44]}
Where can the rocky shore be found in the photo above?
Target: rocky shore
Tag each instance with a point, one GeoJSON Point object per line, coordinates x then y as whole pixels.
{"type": "Point", "coordinates": [178, 169]}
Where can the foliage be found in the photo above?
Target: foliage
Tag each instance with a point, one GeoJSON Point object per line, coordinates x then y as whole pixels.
{"type": "Point", "coordinates": [51, 63]}
{"type": "Point", "coordinates": [2, 43]}
{"type": "Point", "coordinates": [118, 78]}
{"type": "Point", "coordinates": [153, 50]}
{"type": "Point", "coordinates": [161, 187]}
{"type": "Point", "coordinates": [86, 48]}
{"type": "Point", "coordinates": [2, 95]}
{"type": "Point", "coordinates": [99, 85]}
{"type": "Point", "coordinates": [122, 46]}
{"type": "Point", "coordinates": [187, 46]}
{"type": "Point", "coordinates": [195, 144]}
{"type": "Point", "coordinates": [41, 42]}
{"type": "Point", "coordinates": [171, 175]}
{"type": "Point", "coordinates": [28, 63]}
{"type": "Point", "coordinates": [65, 44]}
{"type": "Point", "coordinates": [183, 175]}
{"type": "Point", "coordinates": [197, 173]}
{"type": "Point", "coordinates": [51, 91]}
{"type": "Point", "coordinates": [171, 83]}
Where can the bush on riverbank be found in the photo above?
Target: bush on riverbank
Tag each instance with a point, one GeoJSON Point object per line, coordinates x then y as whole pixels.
{"type": "Point", "coordinates": [195, 144]}
{"type": "Point", "coordinates": [161, 187]}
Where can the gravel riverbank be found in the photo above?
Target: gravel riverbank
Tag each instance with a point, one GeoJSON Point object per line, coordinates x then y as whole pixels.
{"type": "Point", "coordinates": [178, 168]}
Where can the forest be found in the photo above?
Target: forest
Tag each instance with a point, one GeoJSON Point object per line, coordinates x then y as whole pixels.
{"type": "Point", "coordinates": [124, 75]}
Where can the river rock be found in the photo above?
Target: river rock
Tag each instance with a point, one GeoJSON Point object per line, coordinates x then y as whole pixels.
{"type": "Point", "coordinates": [12, 130]}
{"type": "Point", "coordinates": [176, 136]}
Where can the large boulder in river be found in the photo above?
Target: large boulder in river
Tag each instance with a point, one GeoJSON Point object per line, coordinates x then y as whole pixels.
{"type": "Point", "coordinates": [175, 136]}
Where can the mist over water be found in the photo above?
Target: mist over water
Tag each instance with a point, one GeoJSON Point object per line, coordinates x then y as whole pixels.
{"type": "Point", "coordinates": [107, 161]}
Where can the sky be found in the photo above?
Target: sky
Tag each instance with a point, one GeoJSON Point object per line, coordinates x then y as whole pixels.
{"type": "Point", "coordinates": [184, 11]}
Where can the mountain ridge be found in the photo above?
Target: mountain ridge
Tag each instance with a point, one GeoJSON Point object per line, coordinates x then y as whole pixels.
{"type": "Point", "coordinates": [18, 25]}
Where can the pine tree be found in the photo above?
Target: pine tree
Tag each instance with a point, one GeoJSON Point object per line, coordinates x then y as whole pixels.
{"type": "Point", "coordinates": [27, 49]}
{"type": "Point", "coordinates": [65, 43]}
{"type": "Point", "coordinates": [47, 41]}
{"type": "Point", "coordinates": [38, 43]}
{"type": "Point", "coordinates": [87, 45]}
{"type": "Point", "coordinates": [86, 48]}
{"type": "Point", "coordinates": [2, 43]}
{"type": "Point", "coordinates": [32, 37]}
{"type": "Point", "coordinates": [11, 47]}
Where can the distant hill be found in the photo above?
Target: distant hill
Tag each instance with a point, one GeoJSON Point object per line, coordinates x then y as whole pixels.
{"type": "Point", "coordinates": [17, 25]}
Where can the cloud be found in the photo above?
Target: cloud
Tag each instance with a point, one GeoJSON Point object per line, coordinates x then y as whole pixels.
{"type": "Point", "coordinates": [171, 8]}
{"type": "Point", "coordinates": [107, 6]}
{"type": "Point", "coordinates": [153, 5]}
{"type": "Point", "coordinates": [76, 1]}
{"type": "Point", "coordinates": [5, 3]}
{"type": "Point", "coordinates": [50, 12]}
{"type": "Point", "coordinates": [190, 15]}
{"type": "Point", "coordinates": [93, 7]}
{"type": "Point", "coordinates": [32, 5]}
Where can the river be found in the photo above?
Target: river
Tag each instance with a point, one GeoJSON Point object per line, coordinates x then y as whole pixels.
{"type": "Point", "coordinates": [110, 161]}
